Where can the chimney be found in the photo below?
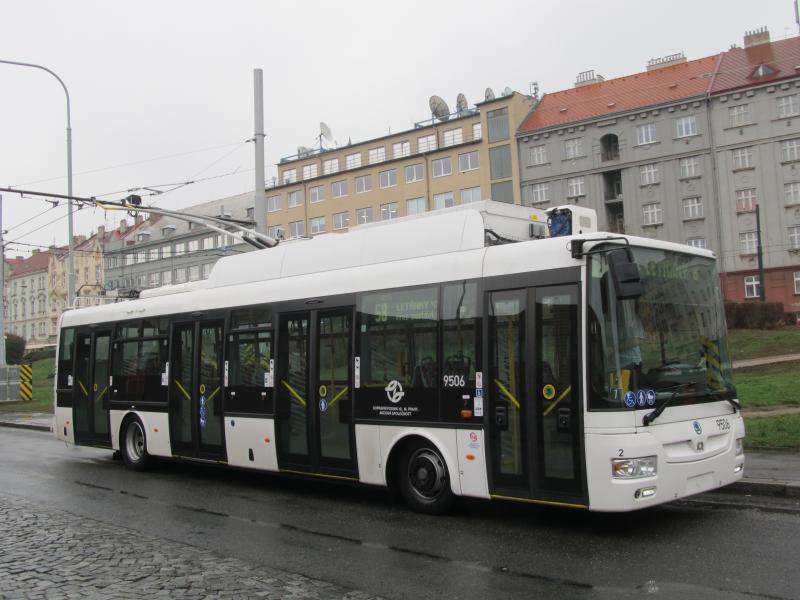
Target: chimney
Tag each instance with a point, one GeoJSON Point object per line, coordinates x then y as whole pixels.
{"type": "Point", "coordinates": [138, 219]}
{"type": "Point", "coordinates": [756, 37]}
{"type": "Point", "coordinates": [123, 226]}
{"type": "Point", "coordinates": [665, 61]}
{"type": "Point", "coordinates": [101, 232]}
{"type": "Point", "coordinates": [588, 77]}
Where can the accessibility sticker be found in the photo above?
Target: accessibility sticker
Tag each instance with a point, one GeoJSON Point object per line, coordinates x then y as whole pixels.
{"type": "Point", "coordinates": [630, 399]}
{"type": "Point", "coordinates": [641, 397]}
{"type": "Point", "coordinates": [651, 397]}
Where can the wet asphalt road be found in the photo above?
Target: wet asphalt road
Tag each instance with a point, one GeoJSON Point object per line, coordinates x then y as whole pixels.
{"type": "Point", "coordinates": [359, 539]}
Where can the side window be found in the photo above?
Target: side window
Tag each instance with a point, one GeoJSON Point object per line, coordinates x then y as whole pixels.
{"type": "Point", "coordinates": [139, 358]}
{"type": "Point", "coordinates": [249, 388]}
{"type": "Point", "coordinates": [399, 372]}
{"type": "Point", "coordinates": [461, 328]}
{"type": "Point", "coordinates": [65, 350]}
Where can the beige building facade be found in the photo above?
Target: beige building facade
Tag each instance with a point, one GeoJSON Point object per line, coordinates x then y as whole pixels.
{"type": "Point", "coordinates": [469, 156]}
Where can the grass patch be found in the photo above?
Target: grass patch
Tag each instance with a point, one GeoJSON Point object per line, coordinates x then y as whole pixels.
{"type": "Point", "coordinates": [42, 390]}
{"type": "Point", "coordinates": [781, 432]}
{"type": "Point", "coordinates": [757, 343]}
{"type": "Point", "coordinates": [768, 385]}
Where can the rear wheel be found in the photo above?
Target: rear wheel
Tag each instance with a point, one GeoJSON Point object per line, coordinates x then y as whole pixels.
{"type": "Point", "coordinates": [134, 446]}
{"type": "Point", "coordinates": [424, 481]}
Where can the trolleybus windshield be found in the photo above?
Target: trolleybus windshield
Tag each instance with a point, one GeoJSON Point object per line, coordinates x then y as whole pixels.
{"type": "Point", "coordinates": [670, 343]}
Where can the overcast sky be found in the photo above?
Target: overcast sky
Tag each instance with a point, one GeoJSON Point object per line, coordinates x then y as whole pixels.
{"type": "Point", "coordinates": [162, 91]}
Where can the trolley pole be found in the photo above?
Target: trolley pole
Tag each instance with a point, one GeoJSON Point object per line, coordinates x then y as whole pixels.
{"type": "Point", "coordinates": [3, 291]}
{"type": "Point", "coordinates": [260, 203]}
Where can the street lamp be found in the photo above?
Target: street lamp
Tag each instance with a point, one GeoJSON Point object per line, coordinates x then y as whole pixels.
{"type": "Point", "coordinates": [71, 277]}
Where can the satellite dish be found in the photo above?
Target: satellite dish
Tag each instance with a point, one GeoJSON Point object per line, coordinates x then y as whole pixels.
{"type": "Point", "coordinates": [488, 94]}
{"type": "Point", "coordinates": [507, 91]}
{"type": "Point", "coordinates": [325, 131]}
{"type": "Point", "coordinates": [461, 104]}
{"type": "Point", "coordinates": [439, 108]}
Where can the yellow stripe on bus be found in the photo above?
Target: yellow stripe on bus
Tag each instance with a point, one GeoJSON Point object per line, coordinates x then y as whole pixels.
{"type": "Point", "coordinates": [293, 393]}
{"type": "Point", "coordinates": [183, 389]}
{"type": "Point", "coordinates": [507, 393]}
{"type": "Point", "coordinates": [560, 398]}
{"type": "Point", "coordinates": [214, 393]}
{"type": "Point", "coordinates": [337, 396]}
{"type": "Point", "coordinates": [85, 391]}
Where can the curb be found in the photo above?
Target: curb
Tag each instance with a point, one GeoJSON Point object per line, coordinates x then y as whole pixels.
{"type": "Point", "coordinates": [33, 426]}
{"type": "Point", "coordinates": [765, 487]}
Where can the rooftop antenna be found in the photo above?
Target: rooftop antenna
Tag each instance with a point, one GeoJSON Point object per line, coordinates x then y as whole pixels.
{"type": "Point", "coordinates": [507, 91]}
{"type": "Point", "coordinates": [439, 108]}
{"type": "Point", "coordinates": [535, 90]}
{"type": "Point", "coordinates": [462, 107]}
{"type": "Point", "coordinates": [488, 94]}
{"type": "Point", "coordinates": [324, 132]}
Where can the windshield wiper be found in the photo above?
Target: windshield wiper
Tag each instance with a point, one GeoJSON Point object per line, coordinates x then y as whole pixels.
{"type": "Point", "coordinates": [721, 395]}
{"type": "Point", "coordinates": [652, 416]}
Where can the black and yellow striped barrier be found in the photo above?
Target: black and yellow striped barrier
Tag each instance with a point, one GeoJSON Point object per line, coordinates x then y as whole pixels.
{"type": "Point", "coordinates": [25, 382]}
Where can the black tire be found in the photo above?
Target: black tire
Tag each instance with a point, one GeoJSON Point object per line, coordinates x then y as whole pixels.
{"type": "Point", "coordinates": [133, 445]}
{"type": "Point", "coordinates": [423, 479]}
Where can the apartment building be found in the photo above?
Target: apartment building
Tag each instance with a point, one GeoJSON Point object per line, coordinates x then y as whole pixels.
{"type": "Point", "coordinates": [26, 298]}
{"type": "Point", "coordinates": [684, 151]}
{"type": "Point", "coordinates": [157, 250]}
{"type": "Point", "coordinates": [465, 157]}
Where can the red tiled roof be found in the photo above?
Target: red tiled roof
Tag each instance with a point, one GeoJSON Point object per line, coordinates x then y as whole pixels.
{"type": "Point", "coordinates": [739, 64]}
{"type": "Point", "coordinates": [593, 100]}
{"type": "Point", "coordinates": [35, 263]}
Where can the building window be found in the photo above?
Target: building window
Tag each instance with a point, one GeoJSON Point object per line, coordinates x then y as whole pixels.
{"type": "Point", "coordinates": [788, 106]}
{"type": "Point", "coordinates": [470, 195]}
{"type": "Point", "coordinates": [575, 187]}
{"type": "Point", "coordinates": [538, 155]}
{"type": "Point", "coordinates": [415, 206]}
{"type": "Point", "coordinates": [453, 137]}
{"type": "Point", "coordinates": [208, 243]}
{"type": "Point", "coordinates": [273, 203]}
{"type": "Point", "coordinates": [648, 174]}
{"type": "Point", "coordinates": [442, 166]}
{"type": "Point", "coordinates": [316, 193]}
{"type": "Point", "coordinates": [752, 287]}
{"type": "Point", "coordinates": [317, 225]}
{"type": "Point", "coordinates": [797, 282]}
{"type": "Point", "coordinates": [686, 126]}
{"type": "Point", "coordinates": [339, 189]}
{"type": "Point", "coordinates": [155, 279]}
{"type": "Point", "coordinates": [790, 150]}
{"type": "Point", "coordinates": [468, 161]}
{"type": "Point", "coordinates": [376, 155]}
{"type": "Point", "coordinates": [207, 270]}
{"type": "Point", "coordinates": [180, 275]}
{"type": "Point", "coordinates": [476, 131]}
{"type": "Point", "coordinates": [573, 148]}
{"type": "Point", "coordinates": [294, 199]}
{"type": "Point", "coordinates": [363, 184]}
{"type": "Point", "coordinates": [309, 171]}
{"type": "Point", "coordinates": [538, 193]}
{"type": "Point", "coordinates": [746, 200]}
{"type": "Point", "coordinates": [692, 208]}
{"type": "Point", "coordinates": [738, 115]}
{"type": "Point", "coordinates": [330, 166]}
{"type": "Point", "coordinates": [791, 193]}
{"type": "Point", "coordinates": [747, 242]}
{"type": "Point", "coordinates": [652, 214]}
{"type": "Point", "coordinates": [275, 232]}
{"type": "Point", "coordinates": [697, 242]}
{"type": "Point", "coordinates": [503, 191]}
{"type": "Point", "coordinates": [413, 173]}
{"type": "Point", "coordinates": [352, 161]}
{"type": "Point", "coordinates": [180, 249]}
{"type": "Point", "coordinates": [289, 176]}
{"type": "Point", "coordinates": [154, 254]}
{"type": "Point", "coordinates": [390, 211]}
{"type": "Point", "coordinates": [646, 134]}
{"type": "Point", "coordinates": [497, 121]}
{"type": "Point", "coordinates": [426, 143]}
{"type": "Point", "coordinates": [250, 212]}
{"type": "Point", "coordinates": [689, 167]}
{"type": "Point", "coordinates": [341, 220]}
{"type": "Point", "coordinates": [194, 272]}
{"type": "Point", "coordinates": [743, 158]}
{"type": "Point", "coordinates": [401, 149]}
{"type": "Point", "coordinates": [297, 229]}
{"type": "Point", "coordinates": [794, 237]}
{"type": "Point", "coordinates": [363, 215]}
{"type": "Point", "coordinates": [444, 200]}
{"type": "Point", "coordinates": [500, 162]}
{"type": "Point", "coordinates": [388, 178]}
{"type": "Point", "coordinates": [193, 245]}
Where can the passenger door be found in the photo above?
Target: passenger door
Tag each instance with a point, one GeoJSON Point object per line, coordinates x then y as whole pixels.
{"type": "Point", "coordinates": [90, 387]}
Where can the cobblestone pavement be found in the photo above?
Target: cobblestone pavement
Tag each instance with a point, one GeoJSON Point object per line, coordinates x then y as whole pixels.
{"type": "Point", "coordinates": [47, 553]}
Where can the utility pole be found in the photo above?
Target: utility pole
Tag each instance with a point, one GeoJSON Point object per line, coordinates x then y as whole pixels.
{"type": "Point", "coordinates": [762, 292]}
{"type": "Point", "coordinates": [260, 203]}
{"type": "Point", "coordinates": [3, 291]}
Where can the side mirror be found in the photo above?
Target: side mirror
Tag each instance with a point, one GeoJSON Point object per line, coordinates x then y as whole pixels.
{"type": "Point", "coordinates": [624, 274]}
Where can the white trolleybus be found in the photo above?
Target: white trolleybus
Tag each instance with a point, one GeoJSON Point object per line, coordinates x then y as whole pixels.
{"type": "Point", "coordinates": [474, 351]}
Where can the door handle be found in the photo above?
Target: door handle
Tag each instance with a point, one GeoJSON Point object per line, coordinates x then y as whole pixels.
{"type": "Point", "coordinates": [501, 417]}
{"type": "Point", "coordinates": [564, 420]}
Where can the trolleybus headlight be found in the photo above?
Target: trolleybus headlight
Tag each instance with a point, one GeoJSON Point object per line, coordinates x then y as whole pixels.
{"type": "Point", "coordinates": [633, 468]}
{"type": "Point", "coordinates": [739, 446]}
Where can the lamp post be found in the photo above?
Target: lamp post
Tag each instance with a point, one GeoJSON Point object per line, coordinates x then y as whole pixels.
{"type": "Point", "coordinates": [71, 274]}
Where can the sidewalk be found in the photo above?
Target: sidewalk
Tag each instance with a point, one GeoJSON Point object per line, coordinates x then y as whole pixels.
{"type": "Point", "coordinates": [767, 360]}
{"type": "Point", "coordinates": [766, 473]}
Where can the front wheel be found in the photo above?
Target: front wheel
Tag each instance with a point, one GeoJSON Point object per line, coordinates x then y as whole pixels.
{"type": "Point", "coordinates": [134, 446]}
{"type": "Point", "coordinates": [424, 481]}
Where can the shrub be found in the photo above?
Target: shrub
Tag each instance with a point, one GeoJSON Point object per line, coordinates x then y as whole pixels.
{"type": "Point", "coordinates": [41, 353]}
{"type": "Point", "coordinates": [15, 349]}
{"type": "Point", "coordinates": [754, 315]}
